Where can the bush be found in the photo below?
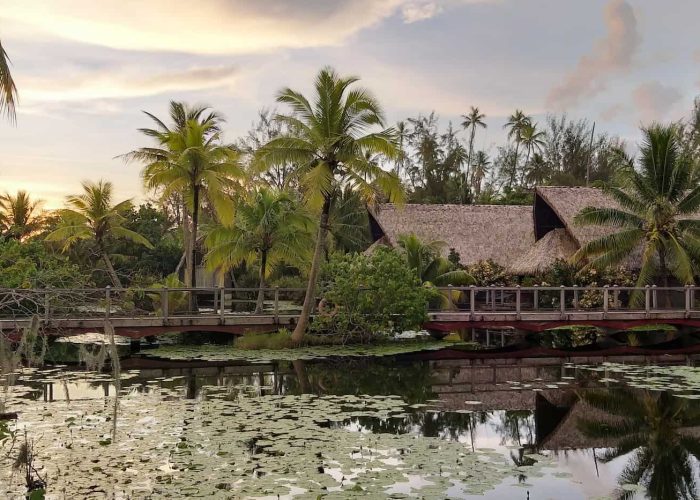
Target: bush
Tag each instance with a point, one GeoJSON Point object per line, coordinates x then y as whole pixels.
{"type": "Point", "coordinates": [33, 265]}
{"type": "Point", "coordinates": [488, 272]}
{"type": "Point", "coordinates": [363, 296]}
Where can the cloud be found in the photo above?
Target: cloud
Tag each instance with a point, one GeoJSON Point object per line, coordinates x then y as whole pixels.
{"type": "Point", "coordinates": [418, 11]}
{"type": "Point", "coordinates": [612, 54]}
{"type": "Point", "coordinates": [204, 27]}
{"type": "Point", "coordinates": [654, 100]}
{"type": "Point", "coordinates": [120, 83]}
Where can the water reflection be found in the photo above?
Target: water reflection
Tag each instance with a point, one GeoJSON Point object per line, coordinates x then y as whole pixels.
{"type": "Point", "coordinates": [523, 410]}
{"type": "Point", "coordinates": [657, 433]}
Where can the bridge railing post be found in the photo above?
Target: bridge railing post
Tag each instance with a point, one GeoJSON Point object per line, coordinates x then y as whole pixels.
{"type": "Point", "coordinates": [647, 300]}
{"type": "Point", "coordinates": [606, 300]}
{"type": "Point", "coordinates": [222, 309]}
{"type": "Point", "coordinates": [562, 301]}
{"type": "Point", "coordinates": [654, 298]}
{"type": "Point", "coordinates": [535, 299]}
{"type": "Point", "coordinates": [277, 304]}
{"type": "Point", "coordinates": [616, 297]}
{"type": "Point", "coordinates": [108, 301]}
{"type": "Point", "coordinates": [164, 303]}
{"type": "Point", "coordinates": [687, 301]}
{"type": "Point", "coordinates": [575, 303]}
{"type": "Point", "coordinates": [450, 302]}
{"type": "Point", "coordinates": [517, 302]}
{"type": "Point", "coordinates": [493, 298]}
{"type": "Point", "coordinates": [472, 301]}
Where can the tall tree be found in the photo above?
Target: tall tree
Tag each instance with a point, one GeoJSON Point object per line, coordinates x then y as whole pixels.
{"type": "Point", "coordinates": [533, 140]}
{"type": "Point", "coordinates": [481, 168]}
{"type": "Point", "coordinates": [515, 125]}
{"type": "Point", "coordinates": [658, 201]}
{"type": "Point", "coordinates": [93, 217]}
{"type": "Point", "coordinates": [269, 228]}
{"type": "Point", "coordinates": [191, 160]}
{"type": "Point", "coordinates": [8, 89]}
{"type": "Point", "coordinates": [473, 119]}
{"type": "Point", "coordinates": [20, 216]}
{"type": "Point", "coordinates": [329, 141]}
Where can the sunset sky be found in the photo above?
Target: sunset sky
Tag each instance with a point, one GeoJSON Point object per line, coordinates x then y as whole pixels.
{"type": "Point", "coordinates": [85, 69]}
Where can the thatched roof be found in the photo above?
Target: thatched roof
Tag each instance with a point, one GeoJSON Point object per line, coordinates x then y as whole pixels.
{"type": "Point", "coordinates": [556, 244]}
{"type": "Point", "coordinates": [478, 232]}
{"type": "Point", "coordinates": [567, 202]}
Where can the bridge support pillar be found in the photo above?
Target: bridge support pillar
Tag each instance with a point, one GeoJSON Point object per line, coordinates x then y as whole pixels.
{"type": "Point", "coordinates": [135, 346]}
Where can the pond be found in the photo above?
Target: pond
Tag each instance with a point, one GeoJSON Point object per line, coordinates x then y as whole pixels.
{"type": "Point", "coordinates": [212, 422]}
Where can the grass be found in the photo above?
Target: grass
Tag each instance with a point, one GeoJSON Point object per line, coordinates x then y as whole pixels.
{"type": "Point", "coordinates": [282, 340]}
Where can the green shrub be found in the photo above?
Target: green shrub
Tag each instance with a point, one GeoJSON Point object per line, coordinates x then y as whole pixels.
{"type": "Point", "coordinates": [364, 296]}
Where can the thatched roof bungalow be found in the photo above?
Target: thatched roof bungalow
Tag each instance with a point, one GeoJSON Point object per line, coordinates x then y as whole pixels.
{"type": "Point", "coordinates": [526, 239]}
{"type": "Point", "coordinates": [478, 232]}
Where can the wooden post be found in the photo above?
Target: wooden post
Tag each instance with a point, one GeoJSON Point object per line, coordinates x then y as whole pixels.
{"type": "Point", "coordinates": [449, 297]}
{"type": "Point", "coordinates": [647, 300]}
{"type": "Point", "coordinates": [616, 297]}
{"type": "Point", "coordinates": [164, 303]}
{"type": "Point", "coordinates": [536, 299]}
{"type": "Point", "coordinates": [562, 300]}
{"type": "Point", "coordinates": [472, 302]}
{"type": "Point", "coordinates": [687, 301]}
{"type": "Point", "coordinates": [277, 304]}
{"type": "Point", "coordinates": [222, 309]}
{"type": "Point", "coordinates": [108, 301]}
{"type": "Point", "coordinates": [606, 300]}
{"type": "Point", "coordinates": [517, 302]}
{"type": "Point", "coordinates": [654, 298]}
{"type": "Point", "coordinates": [493, 298]}
{"type": "Point", "coordinates": [575, 297]}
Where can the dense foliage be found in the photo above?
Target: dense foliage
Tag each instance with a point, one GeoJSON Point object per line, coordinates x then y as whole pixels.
{"type": "Point", "coordinates": [391, 298]}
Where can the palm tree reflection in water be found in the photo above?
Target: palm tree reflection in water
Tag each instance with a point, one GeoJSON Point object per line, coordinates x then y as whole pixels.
{"type": "Point", "coordinates": [657, 431]}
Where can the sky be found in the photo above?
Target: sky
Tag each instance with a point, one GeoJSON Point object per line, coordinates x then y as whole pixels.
{"type": "Point", "coordinates": [86, 70]}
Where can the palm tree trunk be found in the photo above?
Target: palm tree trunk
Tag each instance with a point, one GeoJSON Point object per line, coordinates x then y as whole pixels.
{"type": "Point", "coordinates": [515, 166]}
{"type": "Point", "coordinates": [527, 159]}
{"type": "Point", "coordinates": [261, 289]}
{"type": "Point", "coordinates": [193, 247]}
{"type": "Point", "coordinates": [310, 297]}
{"type": "Point", "coordinates": [663, 269]}
{"type": "Point", "coordinates": [469, 158]}
{"type": "Point", "coordinates": [110, 269]}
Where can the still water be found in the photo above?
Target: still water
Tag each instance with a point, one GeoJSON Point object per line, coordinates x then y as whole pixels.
{"type": "Point", "coordinates": [415, 425]}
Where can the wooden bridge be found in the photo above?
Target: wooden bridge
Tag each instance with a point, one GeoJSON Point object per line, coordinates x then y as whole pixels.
{"type": "Point", "coordinates": [140, 312]}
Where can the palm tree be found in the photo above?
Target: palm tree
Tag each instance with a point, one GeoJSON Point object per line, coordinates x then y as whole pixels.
{"type": "Point", "coordinates": [401, 154]}
{"type": "Point", "coordinates": [515, 125]}
{"type": "Point", "coordinates": [657, 203]}
{"type": "Point", "coordinates": [656, 428]}
{"type": "Point", "coordinates": [472, 120]}
{"type": "Point", "coordinates": [533, 140]}
{"type": "Point", "coordinates": [431, 268]}
{"type": "Point", "coordinates": [190, 160]}
{"type": "Point", "coordinates": [269, 228]}
{"type": "Point", "coordinates": [93, 217]}
{"type": "Point", "coordinates": [538, 171]}
{"type": "Point", "coordinates": [348, 223]}
{"type": "Point", "coordinates": [481, 168]}
{"type": "Point", "coordinates": [329, 141]}
{"type": "Point", "coordinates": [8, 89]}
{"type": "Point", "coordinates": [20, 216]}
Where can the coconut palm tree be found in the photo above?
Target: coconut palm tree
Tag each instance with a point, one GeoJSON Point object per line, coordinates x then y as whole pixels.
{"type": "Point", "coordinates": [481, 168]}
{"type": "Point", "coordinates": [269, 228]}
{"type": "Point", "coordinates": [533, 140]}
{"type": "Point", "coordinates": [348, 223]}
{"type": "Point", "coordinates": [8, 89]}
{"type": "Point", "coordinates": [191, 160]}
{"type": "Point", "coordinates": [92, 216]}
{"type": "Point", "coordinates": [431, 268]}
{"type": "Point", "coordinates": [20, 216]}
{"type": "Point", "coordinates": [655, 428]}
{"type": "Point", "coordinates": [329, 138]}
{"type": "Point", "coordinates": [657, 203]}
{"type": "Point", "coordinates": [474, 119]}
{"type": "Point", "coordinates": [515, 125]}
